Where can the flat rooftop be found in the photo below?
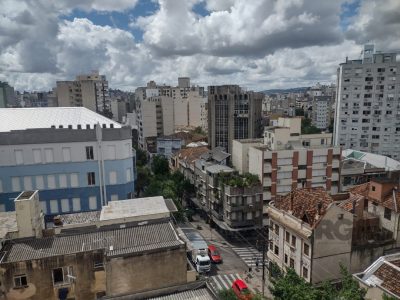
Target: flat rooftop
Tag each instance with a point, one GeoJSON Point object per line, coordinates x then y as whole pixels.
{"type": "Point", "coordinates": [8, 223]}
{"type": "Point", "coordinates": [46, 117]}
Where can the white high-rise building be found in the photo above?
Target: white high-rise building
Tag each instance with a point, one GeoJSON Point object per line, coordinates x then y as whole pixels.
{"type": "Point", "coordinates": [367, 113]}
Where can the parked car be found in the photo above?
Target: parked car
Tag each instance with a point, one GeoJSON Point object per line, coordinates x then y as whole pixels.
{"type": "Point", "coordinates": [241, 290]}
{"type": "Point", "coordinates": [214, 254]}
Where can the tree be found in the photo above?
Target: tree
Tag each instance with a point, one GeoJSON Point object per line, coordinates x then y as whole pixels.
{"type": "Point", "coordinates": [350, 289]}
{"type": "Point", "coordinates": [308, 128]}
{"type": "Point", "coordinates": [160, 166]}
{"type": "Point", "coordinates": [143, 179]}
{"type": "Point", "coordinates": [292, 286]}
{"type": "Point", "coordinates": [386, 297]}
{"type": "Point", "coordinates": [227, 294]}
{"type": "Point", "coordinates": [141, 157]}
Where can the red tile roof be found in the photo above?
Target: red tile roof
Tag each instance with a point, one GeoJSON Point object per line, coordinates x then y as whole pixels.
{"type": "Point", "coordinates": [303, 204]}
{"type": "Point", "coordinates": [390, 277]}
{"type": "Point", "coordinates": [361, 189]}
{"type": "Point", "coordinates": [189, 155]}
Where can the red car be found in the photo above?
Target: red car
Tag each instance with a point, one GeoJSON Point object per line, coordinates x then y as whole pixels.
{"type": "Point", "coordinates": [241, 290]}
{"type": "Point", "coordinates": [214, 254]}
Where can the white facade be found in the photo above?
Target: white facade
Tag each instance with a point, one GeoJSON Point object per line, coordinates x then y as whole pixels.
{"type": "Point", "coordinates": [367, 113]}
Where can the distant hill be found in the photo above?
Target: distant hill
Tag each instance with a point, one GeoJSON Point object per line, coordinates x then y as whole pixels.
{"type": "Point", "coordinates": [283, 91]}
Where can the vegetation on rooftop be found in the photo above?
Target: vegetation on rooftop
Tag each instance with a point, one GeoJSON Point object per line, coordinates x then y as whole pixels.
{"type": "Point", "coordinates": [308, 128]}
{"type": "Point", "coordinates": [234, 179]}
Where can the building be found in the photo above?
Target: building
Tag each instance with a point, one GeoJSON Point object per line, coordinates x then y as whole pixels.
{"type": "Point", "coordinates": [118, 110]}
{"type": "Point", "coordinates": [88, 90]}
{"type": "Point", "coordinates": [7, 96]}
{"type": "Point", "coordinates": [367, 116]}
{"type": "Point", "coordinates": [131, 251]}
{"type": "Point", "coordinates": [162, 110]}
{"type": "Point", "coordinates": [233, 113]}
{"type": "Point", "coordinates": [381, 278]}
{"type": "Point", "coordinates": [304, 234]}
{"type": "Point", "coordinates": [359, 167]}
{"type": "Point", "coordinates": [288, 159]}
{"type": "Point", "coordinates": [78, 159]}
{"type": "Point", "coordinates": [321, 111]}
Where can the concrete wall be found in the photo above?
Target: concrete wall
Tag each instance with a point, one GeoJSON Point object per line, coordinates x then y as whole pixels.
{"type": "Point", "coordinates": [146, 272]}
{"type": "Point", "coordinates": [256, 162]}
{"type": "Point", "coordinates": [240, 153]}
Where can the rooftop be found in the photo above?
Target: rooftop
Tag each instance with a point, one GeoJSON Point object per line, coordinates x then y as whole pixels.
{"type": "Point", "coordinates": [199, 294]}
{"type": "Point", "coordinates": [189, 155]}
{"type": "Point", "coordinates": [114, 242]}
{"type": "Point", "coordinates": [308, 204]}
{"type": "Point", "coordinates": [375, 160]}
{"type": "Point", "coordinates": [46, 117]}
{"type": "Point", "coordinates": [218, 168]}
{"type": "Point", "coordinates": [8, 223]}
{"type": "Point", "coordinates": [218, 154]}
{"type": "Point", "coordinates": [383, 273]}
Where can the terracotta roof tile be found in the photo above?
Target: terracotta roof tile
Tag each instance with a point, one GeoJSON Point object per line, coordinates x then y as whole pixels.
{"type": "Point", "coordinates": [189, 155]}
{"type": "Point", "coordinates": [390, 277]}
{"type": "Point", "coordinates": [303, 203]}
{"type": "Point", "coordinates": [361, 189]}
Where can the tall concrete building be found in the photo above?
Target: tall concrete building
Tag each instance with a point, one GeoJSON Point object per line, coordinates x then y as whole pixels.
{"type": "Point", "coordinates": [79, 160]}
{"type": "Point", "coordinates": [367, 114]}
{"type": "Point", "coordinates": [7, 96]}
{"type": "Point", "coordinates": [321, 111]}
{"type": "Point", "coordinates": [233, 113]}
{"type": "Point", "coordinates": [89, 90]}
{"type": "Point", "coordinates": [163, 109]}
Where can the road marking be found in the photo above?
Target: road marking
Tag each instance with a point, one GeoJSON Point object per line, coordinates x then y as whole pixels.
{"type": "Point", "coordinates": [224, 281]}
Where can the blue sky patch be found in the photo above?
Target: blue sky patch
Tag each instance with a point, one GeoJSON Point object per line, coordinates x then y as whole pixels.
{"type": "Point", "coordinates": [348, 11]}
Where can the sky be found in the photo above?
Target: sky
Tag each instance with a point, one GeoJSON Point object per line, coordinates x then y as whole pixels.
{"type": "Point", "coordinates": [258, 44]}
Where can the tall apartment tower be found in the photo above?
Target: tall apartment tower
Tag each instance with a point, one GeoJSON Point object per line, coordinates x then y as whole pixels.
{"type": "Point", "coordinates": [90, 91]}
{"type": "Point", "coordinates": [367, 114]}
{"type": "Point", "coordinates": [233, 113]}
{"type": "Point", "coordinates": [7, 96]}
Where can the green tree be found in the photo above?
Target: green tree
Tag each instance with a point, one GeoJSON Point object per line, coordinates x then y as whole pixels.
{"type": "Point", "coordinates": [141, 157]}
{"type": "Point", "coordinates": [160, 166]}
{"type": "Point", "coordinates": [386, 297]}
{"type": "Point", "coordinates": [143, 179]}
{"type": "Point", "coordinates": [292, 286]}
{"type": "Point", "coordinates": [226, 294]}
{"type": "Point", "coordinates": [350, 289]}
{"type": "Point", "coordinates": [307, 127]}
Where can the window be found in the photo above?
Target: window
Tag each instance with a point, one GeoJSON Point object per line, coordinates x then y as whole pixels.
{"type": "Point", "coordinates": [98, 263]}
{"type": "Point", "coordinates": [51, 181]}
{"type": "Point", "coordinates": [287, 237]}
{"type": "Point", "coordinates": [387, 214]}
{"type": "Point", "coordinates": [305, 272]}
{"type": "Point", "coordinates": [19, 157]}
{"type": "Point", "coordinates": [39, 182]}
{"type": "Point", "coordinates": [91, 179]}
{"type": "Point", "coordinates": [63, 180]}
{"type": "Point", "coordinates": [373, 188]}
{"type": "Point", "coordinates": [43, 206]}
{"type": "Point", "coordinates": [74, 180]}
{"type": "Point", "coordinates": [62, 275]}
{"type": "Point", "coordinates": [37, 156]}
{"type": "Point", "coordinates": [276, 229]}
{"type": "Point", "coordinates": [16, 184]}
{"type": "Point", "coordinates": [291, 263]}
{"type": "Point", "coordinates": [66, 154]}
{"type": "Point", "coordinates": [76, 204]}
{"type": "Point", "coordinates": [53, 206]}
{"type": "Point", "coordinates": [28, 183]}
{"type": "Point", "coordinates": [293, 241]}
{"type": "Point", "coordinates": [276, 250]}
{"type": "Point", "coordinates": [113, 177]}
{"type": "Point", "coordinates": [306, 249]}
{"type": "Point", "coordinates": [286, 259]}
{"type": "Point", "coordinates": [89, 153]}
{"type": "Point", "coordinates": [20, 281]}
{"type": "Point", "coordinates": [93, 203]}
{"type": "Point", "coordinates": [49, 155]}
{"type": "Point", "coordinates": [64, 205]}
{"type": "Point", "coordinates": [271, 246]}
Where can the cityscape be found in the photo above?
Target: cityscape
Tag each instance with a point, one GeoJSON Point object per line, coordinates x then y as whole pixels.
{"type": "Point", "coordinates": [200, 150]}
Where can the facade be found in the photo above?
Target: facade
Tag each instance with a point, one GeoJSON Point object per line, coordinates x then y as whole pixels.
{"type": "Point", "coordinates": [303, 234]}
{"type": "Point", "coordinates": [118, 110]}
{"type": "Point", "coordinates": [7, 96]}
{"type": "Point", "coordinates": [78, 159]}
{"type": "Point", "coordinates": [117, 258]}
{"type": "Point", "coordinates": [233, 113]}
{"type": "Point", "coordinates": [89, 90]}
{"type": "Point", "coordinates": [168, 145]}
{"type": "Point", "coordinates": [288, 160]}
{"type": "Point", "coordinates": [359, 167]}
{"type": "Point", "coordinates": [367, 113]}
{"type": "Point", "coordinates": [162, 109]}
{"type": "Point", "coordinates": [321, 111]}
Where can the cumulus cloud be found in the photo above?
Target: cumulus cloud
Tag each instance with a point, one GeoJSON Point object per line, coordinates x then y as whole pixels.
{"type": "Point", "coordinates": [259, 43]}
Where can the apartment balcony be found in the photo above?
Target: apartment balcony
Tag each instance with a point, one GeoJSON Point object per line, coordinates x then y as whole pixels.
{"type": "Point", "coordinates": [335, 164]}
{"type": "Point", "coordinates": [267, 168]}
{"type": "Point", "coordinates": [267, 181]}
{"type": "Point", "coordinates": [335, 176]}
{"type": "Point", "coordinates": [267, 196]}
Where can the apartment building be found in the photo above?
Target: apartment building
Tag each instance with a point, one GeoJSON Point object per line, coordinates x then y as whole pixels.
{"type": "Point", "coordinates": [87, 90]}
{"type": "Point", "coordinates": [163, 109]}
{"type": "Point", "coordinates": [304, 234]}
{"type": "Point", "coordinates": [367, 113]}
{"type": "Point", "coordinates": [287, 159]}
{"type": "Point", "coordinates": [7, 96]}
{"type": "Point", "coordinates": [321, 111]}
{"type": "Point", "coordinates": [233, 113]}
{"type": "Point", "coordinates": [79, 160]}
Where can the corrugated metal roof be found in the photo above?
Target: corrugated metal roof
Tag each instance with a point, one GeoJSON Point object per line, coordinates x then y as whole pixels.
{"type": "Point", "coordinates": [45, 117]}
{"type": "Point", "coordinates": [114, 242]}
{"type": "Point", "coordinates": [376, 160]}
{"type": "Point", "coordinates": [199, 294]}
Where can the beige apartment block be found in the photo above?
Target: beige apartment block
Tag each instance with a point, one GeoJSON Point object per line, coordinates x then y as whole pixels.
{"type": "Point", "coordinates": [287, 160]}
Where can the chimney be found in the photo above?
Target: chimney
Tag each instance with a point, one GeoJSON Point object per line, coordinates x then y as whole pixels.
{"type": "Point", "coordinates": [30, 219]}
{"type": "Point", "coordinates": [319, 207]}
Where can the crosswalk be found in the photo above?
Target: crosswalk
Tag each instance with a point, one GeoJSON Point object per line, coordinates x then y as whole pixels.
{"type": "Point", "coordinates": [223, 281]}
{"type": "Point", "coordinates": [249, 255]}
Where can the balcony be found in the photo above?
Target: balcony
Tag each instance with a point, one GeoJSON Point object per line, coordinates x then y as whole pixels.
{"type": "Point", "coordinates": [267, 168]}
{"type": "Point", "coordinates": [267, 181]}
